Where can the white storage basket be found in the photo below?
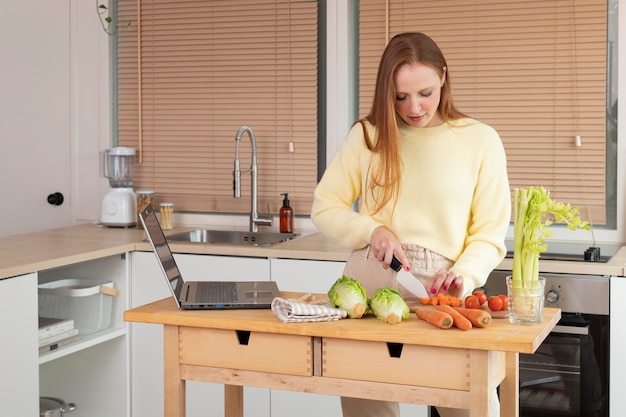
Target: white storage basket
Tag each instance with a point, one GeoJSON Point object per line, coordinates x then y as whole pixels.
{"type": "Point", "coordinates": [87, 301]}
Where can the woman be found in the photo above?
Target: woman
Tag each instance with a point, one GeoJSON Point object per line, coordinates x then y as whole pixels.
{"type": "Point", "coordinates": [431, 185]}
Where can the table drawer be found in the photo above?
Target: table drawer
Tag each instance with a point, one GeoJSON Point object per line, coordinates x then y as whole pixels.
{"type": "Point", "coordinates": [266, 352]}
{"type": "Point", "coordinates": [426, 366]}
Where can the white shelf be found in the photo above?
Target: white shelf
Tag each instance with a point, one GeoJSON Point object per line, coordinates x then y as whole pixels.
{"type": "Point", "coordinates": [83, 343]}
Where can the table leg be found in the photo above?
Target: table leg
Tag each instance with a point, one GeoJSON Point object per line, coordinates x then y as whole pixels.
{"type": "Point", "coordinates": [509, 388]}
{"type": "Point", "coordinates": [174, 386]}
{"type": "Point", "coordinates": [479, 383]}
{"type": "Point", "coordinates": [233, 401]}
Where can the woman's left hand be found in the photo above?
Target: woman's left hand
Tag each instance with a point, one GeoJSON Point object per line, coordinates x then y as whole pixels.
{"type": "Point", "coordinates": [446, 282]}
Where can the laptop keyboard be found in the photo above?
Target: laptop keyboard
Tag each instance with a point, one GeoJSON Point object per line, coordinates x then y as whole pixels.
{"type": "Point", "coordinates": [216, 292]}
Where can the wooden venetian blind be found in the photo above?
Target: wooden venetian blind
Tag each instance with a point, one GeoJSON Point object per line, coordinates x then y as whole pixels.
{"type": "Point", "coordinates": [535, 70]}
{"type": "Point", "coordinates": [192, 72]}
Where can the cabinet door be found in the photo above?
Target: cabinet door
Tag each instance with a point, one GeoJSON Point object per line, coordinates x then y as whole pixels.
{"type": "Point", "coordinates": [19, 373]}
{"type": "Point", "coordinates": [305, 275]}
{"type": "Point", "coordinates": [148, 285]}
{"type": "Point", "coordinates": [617, 346]}
{"type": "Point", "coordinates": [36, 79]}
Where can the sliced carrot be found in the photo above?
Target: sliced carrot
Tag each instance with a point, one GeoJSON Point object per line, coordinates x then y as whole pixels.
{"type": "Point", "coordinates": [458, 320]}
{"type": "Point", "coordinates": [425, 300]}
{"type": "Point", "coordinates": [478, 317]}
{"type": "Point", "coordinates": [434, 301]}
{"type": "Point", "coordinates": [435, 317]}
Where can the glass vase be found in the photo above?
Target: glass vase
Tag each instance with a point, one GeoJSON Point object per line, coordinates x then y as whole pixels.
{"type": "Point", "coordinates": [525, 301]}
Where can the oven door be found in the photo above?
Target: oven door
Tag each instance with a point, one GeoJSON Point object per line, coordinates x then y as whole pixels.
{"type": "Point", "coordinates": [564, 377]}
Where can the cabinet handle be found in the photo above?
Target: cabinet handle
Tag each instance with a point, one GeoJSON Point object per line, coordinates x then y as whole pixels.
{"type": "Point", "coordinates": [108, 290]}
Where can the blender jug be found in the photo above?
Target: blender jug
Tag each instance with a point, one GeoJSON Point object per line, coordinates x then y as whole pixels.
{"type": "Point", "coordinates": [119, 205]}
{"type": "Point", "coordinates": [118, 165]}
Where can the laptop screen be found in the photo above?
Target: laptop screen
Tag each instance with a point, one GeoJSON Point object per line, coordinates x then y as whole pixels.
{"type": "Point", "coordinates": [162, 250]}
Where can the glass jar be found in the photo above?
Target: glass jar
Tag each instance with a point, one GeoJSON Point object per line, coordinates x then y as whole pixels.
{"type": "Point", "coordinates": [144, 198]}
{"type": "Point", "coordinates": [167, 211]}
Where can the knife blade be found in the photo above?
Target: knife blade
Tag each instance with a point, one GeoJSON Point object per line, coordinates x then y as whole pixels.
{"type": "Point", "coordinates": [407, 280]}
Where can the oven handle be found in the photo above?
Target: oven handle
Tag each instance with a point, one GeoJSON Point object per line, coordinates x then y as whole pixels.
{"type": "Point", "coordinates": [571, 330]}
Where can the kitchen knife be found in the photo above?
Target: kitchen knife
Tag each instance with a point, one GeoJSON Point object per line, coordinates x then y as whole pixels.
{"type": "Point", "coordinates": [407, 280]}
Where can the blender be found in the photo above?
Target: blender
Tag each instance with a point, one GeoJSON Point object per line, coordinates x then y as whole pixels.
{"type": "Point", "coordinates": [119, 206]}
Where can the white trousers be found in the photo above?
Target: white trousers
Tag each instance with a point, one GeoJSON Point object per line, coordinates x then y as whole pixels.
{"type": "Point", "coordinates": [363, 267]}
{"type": "Point", "coordinates": [358, 407]}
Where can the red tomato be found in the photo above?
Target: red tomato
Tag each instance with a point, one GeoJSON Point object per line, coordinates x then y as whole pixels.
{"type": "Point", "coordinates": [471, 301]}
{"type": "Point", "coordinates": [495, 303]}
{"type": "Point", "coordinates": [505, 301]}
{"type": "Point", "coordinates": [482, 297]}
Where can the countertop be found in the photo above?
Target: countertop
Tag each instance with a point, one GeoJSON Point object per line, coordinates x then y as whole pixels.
{"type": "Point", "coordinates": [54, 248]}
{"type": "Point", "coordinates": [499, 335]}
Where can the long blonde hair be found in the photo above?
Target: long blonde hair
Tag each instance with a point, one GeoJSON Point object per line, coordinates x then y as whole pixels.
{"type": "Point", "coordinates": [404, 48]}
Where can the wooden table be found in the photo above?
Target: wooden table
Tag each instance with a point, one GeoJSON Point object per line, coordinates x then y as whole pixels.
{"type": "Point", "coordinates": [411, 362]}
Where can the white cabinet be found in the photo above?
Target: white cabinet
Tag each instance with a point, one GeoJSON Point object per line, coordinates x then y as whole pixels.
{"type": "Point", "coordinates": [148, 285]}
{"type": "Point", "coordinates": [94, 371]}
{"type": "Point", "coordinates": [305, 275]}
{"type": "Point", "coordinates": [617, 346]}
{"type": "Point", "coordinates": [18, 352]}
{"type": "Point", "coordinates": [91, 372]}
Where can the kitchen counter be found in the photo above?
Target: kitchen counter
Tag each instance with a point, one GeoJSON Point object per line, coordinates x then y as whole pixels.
{"type": "Point", "coordinates": [49, 249]}
{"type": "Point", "coordinates": [53, 248]}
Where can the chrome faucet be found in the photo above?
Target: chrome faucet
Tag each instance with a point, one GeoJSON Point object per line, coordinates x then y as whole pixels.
{"type": "Point", "coordinates": [256, 219]}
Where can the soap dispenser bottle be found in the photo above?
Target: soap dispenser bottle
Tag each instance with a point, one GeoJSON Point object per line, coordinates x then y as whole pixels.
{"type": "Point", "coordinates": [286, 216]}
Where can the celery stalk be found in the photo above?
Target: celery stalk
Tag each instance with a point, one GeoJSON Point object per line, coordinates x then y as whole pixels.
{"type": "Point", "coordinates": [532, 214]}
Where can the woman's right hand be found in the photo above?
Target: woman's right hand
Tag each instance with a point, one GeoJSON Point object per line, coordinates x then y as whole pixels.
{"type": "Point", "coordinates": [385, 245]}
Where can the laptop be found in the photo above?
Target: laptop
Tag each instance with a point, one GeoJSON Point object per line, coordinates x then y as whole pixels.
{"type": "Point", "coordinates": [204, 295]}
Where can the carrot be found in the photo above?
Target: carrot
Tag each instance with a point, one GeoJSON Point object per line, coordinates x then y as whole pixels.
{"type": "Point", "coordinates": [435, 317]}
{"type": "Point", "coordinates": [425, 300]}
{"type": "Point", "coordinates": [456, 302]}
{"type": "Point", "coordinates": [442, 299]}
{"type": "Point", "coordinates": [478, 317]}
{"type": "Point", "coordinates": [458, 319]}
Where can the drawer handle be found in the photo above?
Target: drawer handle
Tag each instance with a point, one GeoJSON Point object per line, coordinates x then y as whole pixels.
{"type": "Point", "coordinates": [395, 349]}
{"type": "Point", "coordinates": [243, 336]}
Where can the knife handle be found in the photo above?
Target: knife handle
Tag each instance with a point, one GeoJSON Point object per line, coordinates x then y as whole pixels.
{"type": "Point", "coordinates": [396, 265]}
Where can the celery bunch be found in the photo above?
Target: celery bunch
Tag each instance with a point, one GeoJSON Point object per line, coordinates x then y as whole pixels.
{"type": "Point", "coordinates": [532, 211]}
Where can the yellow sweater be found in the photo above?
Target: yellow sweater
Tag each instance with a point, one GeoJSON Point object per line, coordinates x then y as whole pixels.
{"type": "Point", "coordinates": [454, 199]}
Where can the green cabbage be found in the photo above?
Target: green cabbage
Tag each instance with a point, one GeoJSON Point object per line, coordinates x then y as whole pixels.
{"type": "Point", "coordinates": [348, 294]}
{"type": "Point", "coordinates": [388, 306]}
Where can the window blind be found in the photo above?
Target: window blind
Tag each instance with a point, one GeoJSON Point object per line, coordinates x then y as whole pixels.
{"type": "Point", "coordinates": [192, 72]}
{"type": "Point", "coordinates": [535, 70]}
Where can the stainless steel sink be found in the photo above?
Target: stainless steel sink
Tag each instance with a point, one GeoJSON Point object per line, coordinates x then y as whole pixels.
{"type": "Point", "coordinates": [233, 237]}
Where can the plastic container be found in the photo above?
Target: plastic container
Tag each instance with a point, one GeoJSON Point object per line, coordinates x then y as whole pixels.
{"type": "Point", "coordinates": [88, 302]}
{"type": "Point", "coordinates": [286, 216]}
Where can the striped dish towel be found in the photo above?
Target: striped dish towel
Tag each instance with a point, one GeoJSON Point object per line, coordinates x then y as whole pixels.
{"type": "Point", "coordinates": [289, 311]}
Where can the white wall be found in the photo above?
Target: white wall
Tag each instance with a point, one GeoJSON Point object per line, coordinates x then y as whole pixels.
{"type": "Point", "coordinates": [91, 126]}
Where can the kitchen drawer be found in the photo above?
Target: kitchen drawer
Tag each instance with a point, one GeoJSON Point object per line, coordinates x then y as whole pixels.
{"type": "Point", "coordinates": [254, 351]}
{"type": "Point", "coordinates": [434, 367]}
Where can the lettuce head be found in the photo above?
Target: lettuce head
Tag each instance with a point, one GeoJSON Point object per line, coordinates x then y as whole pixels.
{"type": "Point", "coordinates": [348, 294]}
{"type": "Point", "coordinates": [388, 306]}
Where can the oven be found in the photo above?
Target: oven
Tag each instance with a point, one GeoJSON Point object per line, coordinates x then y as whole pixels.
{"type": "Point", "coordinates": [568, 375]}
